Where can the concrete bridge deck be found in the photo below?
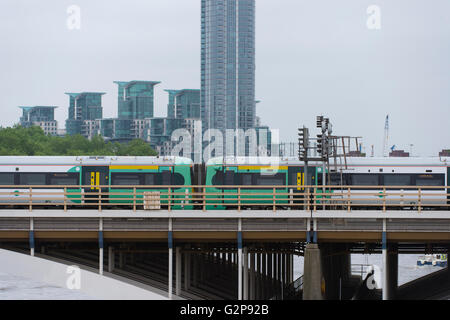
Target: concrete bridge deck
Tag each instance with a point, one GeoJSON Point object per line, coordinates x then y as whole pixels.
{"type": "Point", "coordinates": [292, 225]}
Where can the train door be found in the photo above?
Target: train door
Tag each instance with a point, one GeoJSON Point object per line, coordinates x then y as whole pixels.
{"type": "Point", "coordinates": [296, 177]}
{"type": "Point", "coordinates": [94, 176]}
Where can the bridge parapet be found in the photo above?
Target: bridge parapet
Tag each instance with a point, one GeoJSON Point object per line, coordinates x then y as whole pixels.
{"type": "Point", "coordinates": [209, 198]}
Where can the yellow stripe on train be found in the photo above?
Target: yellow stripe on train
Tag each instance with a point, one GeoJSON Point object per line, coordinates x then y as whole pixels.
{"type": "Point", "coordinates": [134, 167]}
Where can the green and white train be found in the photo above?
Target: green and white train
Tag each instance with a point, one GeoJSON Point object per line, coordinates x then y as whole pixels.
{"type": "Point", "coordinates": [223, 178]}
{"type": "Point", "coordinates": [116, 175]}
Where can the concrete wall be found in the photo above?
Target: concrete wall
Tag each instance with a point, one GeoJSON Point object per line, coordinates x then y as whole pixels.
{"type": "Point", "coordinates": [56, 274]}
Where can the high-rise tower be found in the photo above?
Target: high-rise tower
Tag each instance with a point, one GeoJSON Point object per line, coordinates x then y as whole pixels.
{"type": "Point", "coordinates": [228, 64]}
{"type": "Point", "coordinates": [135, 99]}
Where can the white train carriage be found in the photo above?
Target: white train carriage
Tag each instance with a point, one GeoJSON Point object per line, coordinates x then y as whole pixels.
{"type": "Point", "coordinates": [24, 172]}
{"type": "Point", "coordinates": [407, 176]}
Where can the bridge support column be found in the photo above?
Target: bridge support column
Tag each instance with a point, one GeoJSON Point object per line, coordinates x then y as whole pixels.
{"type": "Point", "coordinates": [239, 264]}
{"type": "Point", "coordinates": [170, 274]}
{"type": "Point", "coordinates": [187, 270]}
{"type": "Point", "coordinates": [110, 259]}
{"type": "Point", "coordinates": [252, 276]}
{"type": "Point", "coordinates": [390, 272]}
{"type": "Point", "coordinates": [178, 271]}
{"type": "Point", "coordinates": [390, 267]}
{"type": "Point", "coordinates": [264, 275]}
{"type": "Point", "coordinates": [275, 272]}
{"type": "Point", "coordinates": [269, 269]}
{"type": "Point", "coordinates": [312, 278]}
{"type": "Point", "coordinates": [258, 276]}
{"type": "Point", "coordinates": [291, 271]}
{"type": "Point", "coordinates": [100, 245]}
{"type": "Point", "coordinates": [279, 271]}
{"type": "Point", "coordinates": [194, 269]}
{"type": "Point", "coordinates": [245, 273]}
{"type": "Point", "coordinates": [31, 237]}
{"type": "Point", "coordinates": [120, 259]}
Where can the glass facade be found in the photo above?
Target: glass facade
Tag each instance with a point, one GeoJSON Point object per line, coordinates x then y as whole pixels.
{"type": "Point", "coordinates": [228, 64]}
{"type": "Point", "coordinates": [171, 104]}
{"type": "Point", "coordinates": [37, 113]}
{"type": "Point", "coordinates": [83, 106]}
{"type": "Point", "coordinates": [42, 116]}
{"type": "Point", "coordinates": [187, 104]}
{"type": "Point", "coordinates": [135, 99]}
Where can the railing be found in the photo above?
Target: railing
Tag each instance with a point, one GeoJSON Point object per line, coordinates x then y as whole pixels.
{"type": "Point", "coordinates": [361, 270]}
{"type": "Point", "coordinates": [311, 198]}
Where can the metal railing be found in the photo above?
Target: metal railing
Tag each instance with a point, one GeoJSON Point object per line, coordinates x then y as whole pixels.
{"type": "Point", "coordinates": [361, 270]}
{"type": "Point", "coordinates": [310, 198]}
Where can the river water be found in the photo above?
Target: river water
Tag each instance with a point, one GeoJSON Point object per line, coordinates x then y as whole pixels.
{"type": "Point", "coordinates": [18, 288]}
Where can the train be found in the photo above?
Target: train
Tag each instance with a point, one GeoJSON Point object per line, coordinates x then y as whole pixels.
{"type": "Point", "coordinates": [363, 175]}
{"type": "Point", "coordinates": [224, 179]}
{"type": "Point", "coordinates": [117, 176]}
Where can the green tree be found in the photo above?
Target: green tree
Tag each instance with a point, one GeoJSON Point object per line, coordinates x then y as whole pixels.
{"type": "Point", "coordinates": [19, 141]}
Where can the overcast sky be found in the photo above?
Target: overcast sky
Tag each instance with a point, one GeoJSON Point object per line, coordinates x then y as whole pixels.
{"type": "Point", "coordinates": [312, 57]}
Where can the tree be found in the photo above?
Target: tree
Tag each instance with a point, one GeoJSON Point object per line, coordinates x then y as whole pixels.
{"type": "Point", "coordinates": [17, 141]}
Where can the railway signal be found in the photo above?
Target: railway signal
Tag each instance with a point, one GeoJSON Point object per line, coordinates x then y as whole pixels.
{"type": "Point", "coordinates": [303, 143]}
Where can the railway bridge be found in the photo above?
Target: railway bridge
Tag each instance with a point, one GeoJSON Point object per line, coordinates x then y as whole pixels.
{"type": "Point", "coordinates": [192, 250]}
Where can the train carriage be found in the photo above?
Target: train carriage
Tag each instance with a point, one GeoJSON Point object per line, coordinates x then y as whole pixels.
{"type": "Point", "coordinates": [250, 181]}
{"type": "Point", "coordinates": [374, 182]}
{"type": "Point", "coordinates": [118, 177]}
{"type": "Point", "coordinates": [392, 182]}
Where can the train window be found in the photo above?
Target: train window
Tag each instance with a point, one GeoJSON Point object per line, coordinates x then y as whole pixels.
{"type": "Point", "coordinates": [32, 179]}
{"type": "Point", "coordinates": [178, 179]}
{"type": "Point", "coordinates": [166, 175]}
{"type": "Point", "coordinates": [6, 179]}
{"type": "Point", "coordinates": [430, 180]}
{"type": "Point", "coordinates": [364, 179]}
{"type": "Point", "coordinates": [278, 179]}
{"type": "Point", "coordinates": [217, 179]}
{"type": "Point", "coordinates": [336, 179]}
{"type": "Point", "coordinates": [397, 180]}
{"type": "Point", "coordinates": [229, 178]}
{"type": "Point", "coordinates": [246, 179]}
{"type": "Point", "coordinates": [125, 179]}
{"type": "Point", "coordinates": [150, 179]}
{"type": "Point", "coordinates": [64, 179]}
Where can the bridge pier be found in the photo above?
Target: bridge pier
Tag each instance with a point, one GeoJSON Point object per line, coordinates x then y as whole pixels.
{"type": "Point", "coordinates": [100, 255]}
{"type": "Point", "coordinates": [170, 273]}
{"type": "Point", "coordinates": [312, 278]}
{"type": "Point", "coordinates": [246, 272]}
{"type": "Point", "coordinates": [264, 275]}
{"type": "Point", "coordinates": [178, 271]}
{"type": "Point", "coordinates": [390, 272]}
{"type": "Point", "coordinates": [31, 237]}
{"type": "Point", "coordinates": [390, 266]}
{"type": "Point", "coordinates": [121, 260]}
{"type": "Point", "coordinates": [111, 259]}
{"type": "Point", "coordinates": [187, 270]}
